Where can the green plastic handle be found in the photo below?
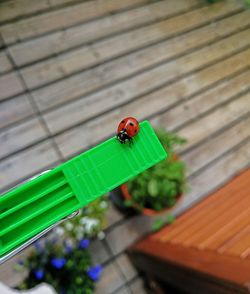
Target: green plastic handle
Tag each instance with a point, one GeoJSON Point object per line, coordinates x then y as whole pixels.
{"type": "Point", "coordinates": [34, 206]}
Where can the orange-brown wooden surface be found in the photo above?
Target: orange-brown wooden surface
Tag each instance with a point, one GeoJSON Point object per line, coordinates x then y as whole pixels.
{"type": "Point", "coordinates": [212, 238]}
{"type": "Point", "coordinates": [220, 221]}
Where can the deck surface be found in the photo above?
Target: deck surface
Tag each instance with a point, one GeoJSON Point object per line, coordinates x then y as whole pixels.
{"type": "Point", "coordinates": [70, 70]}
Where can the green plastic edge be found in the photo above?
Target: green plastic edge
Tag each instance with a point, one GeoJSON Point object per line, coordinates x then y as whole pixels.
{"type": "Point", "coordinates": [41, 202]}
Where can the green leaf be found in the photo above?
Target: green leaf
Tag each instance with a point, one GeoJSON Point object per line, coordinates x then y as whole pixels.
{"type": "Point", "coordinates": [170, 218]}
{"type": "Point", "coordinates": [153, 187]}
{"type": "Point", "coordinates": [128, 203]}
{"type": "Point", "coordinates": [158, 224]}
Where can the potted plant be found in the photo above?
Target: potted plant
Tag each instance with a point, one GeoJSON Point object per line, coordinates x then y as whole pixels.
{"type": "Point", "coordinates": [63, 259]}
{"type": "Point", "coordinates": [159, 188]}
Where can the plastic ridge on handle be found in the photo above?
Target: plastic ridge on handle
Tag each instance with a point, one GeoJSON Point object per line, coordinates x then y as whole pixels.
{"type": "Point", "coordinates": [41, 202]}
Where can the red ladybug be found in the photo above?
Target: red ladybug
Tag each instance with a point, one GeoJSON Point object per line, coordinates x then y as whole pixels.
{"type": "Point", "coordinates": [128, 128]}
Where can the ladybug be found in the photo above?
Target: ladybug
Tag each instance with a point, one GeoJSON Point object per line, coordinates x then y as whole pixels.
{"type": "Point", "coordinates": [127, 128]}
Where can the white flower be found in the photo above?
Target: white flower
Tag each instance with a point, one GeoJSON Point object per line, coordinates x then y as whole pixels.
{"type": "Point", "coordinates": [104, 204]}
{"type": "Point", "coordinates": [69, 226]}
{"type": "Point", "coordinates": [83, 220]}
{"type": "Point", "coordinates": [90, 224]}
{"type": "Point", "coordinates": [59, 231]}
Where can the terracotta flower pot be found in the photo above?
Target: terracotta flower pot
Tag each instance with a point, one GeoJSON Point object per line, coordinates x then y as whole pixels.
{"type": "Point", "coordinates": [146, 211]}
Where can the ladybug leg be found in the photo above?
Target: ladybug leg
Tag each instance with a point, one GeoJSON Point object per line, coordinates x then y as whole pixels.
{"type": "Point", "coordinates": [131, 142]}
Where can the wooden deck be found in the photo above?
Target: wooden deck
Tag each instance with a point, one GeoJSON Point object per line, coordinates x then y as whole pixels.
{"type": "Point", "coordinates": [70, 70]}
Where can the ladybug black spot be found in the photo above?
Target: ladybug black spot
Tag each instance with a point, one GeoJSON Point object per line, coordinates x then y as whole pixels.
{"type": "Point", "coordinates": [123, 121]}
{"type": "Point", "coordinates": [131, 124]}
{"type": "Point", "coordinates": [135, 131]}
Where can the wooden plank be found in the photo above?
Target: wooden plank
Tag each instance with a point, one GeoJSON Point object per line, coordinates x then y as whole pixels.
{"type": "Point", "coordinates": [10, 85]}
{"type": "Point", "coordinates": [205, 101]}
{"type": "Point", "coordinates": [93, 79]}
{"type": "Point", "coordinates": [191, 234]}
{"type": "Point", "coordinates": [27, 163]}
{"type": "Point", "coordinates": [197, 131]}
{"type": "Point", "coordinates": [59, 41]}
{"type": "Point", "coordinates": [216, 240]}
{"type": "Point", "coordinates": [13, 110]}
{"type": "Point", "coordinates": [224, 271]}
{"type": "Point", "coordinates": [111, 279]}
{"type": "Point", "coordinates": [149, 104]}
{"type": "Point", "coordinates": [62, 18]}
{"type": "Point", "coordinates": [215, 176]}
{"type": "Point", "coordinates": [77, 60]}
{"type": "Point", "coordinates": [209, 224]}
{"type": "Point", "coordinates": [184, 221]}
{"type": "Point", "coordinates": [20, 136]}
{"type": "Point", "coordinates": [172, 272]}
{"type": "Point", "coordinates": [5, 64]}
{"type": "Point", "coordinates": [10, 10]}
{"type": "Point", "coordinates": [123, 92]}
{"type": "Point", "coordinates": [215, 147]}
{"type": "Point", "coordinates": [239, 245]}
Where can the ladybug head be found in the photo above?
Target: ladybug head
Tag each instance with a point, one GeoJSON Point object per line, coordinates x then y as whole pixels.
{"type": "Point", "coordinates": [122, 136]}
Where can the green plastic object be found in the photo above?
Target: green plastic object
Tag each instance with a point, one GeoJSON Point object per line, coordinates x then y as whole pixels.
{"type": "Point", "coordinates": [34, 206]}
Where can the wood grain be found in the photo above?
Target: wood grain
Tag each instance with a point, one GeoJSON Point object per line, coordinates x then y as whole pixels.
{"type": "Point", "coordinates": [225, 272]}
{"type": "Point", "coordinates": [10, 85]}
{"type": "Point", "coordinates": [5, 64]}
{"type": "Point", "coordinates": [10, 10]}
{"type": "Point", "coordinates": [215, 176]}
{"type": "Point", "coordinates": [190, 217]}
{"type": "Point", "coordinates": [215, 147]}
{"type": "Point", "coordinates": [95, 78]}
{"type": "Point", "coordinates": [149, 104]}
{"type": "Point", "coordinates": [214, 221]}
{"type": "Point", "coordinates": [27, 163]}
{"type": "Point", "coordinates": [227, 265]}
{"type": "Point", "coordinates": [62, 18]}
{"type": "Point", "coordinates": [71, 62]}
{"type": "Point", "coordinates": [20, 136]}
{"type": "Point", "coordinates": [193, 108]}
{"type": "Point", "coordinates": [209, 124]}
{"type": "Point", "coordinates": [13, 110]}
{"type": "Point", "coordinates": [239, 245]}
{"type": "Point", "coordinates": [123, 92]}
{"type": "Point", "coordinates": [62, 40]}
{"type": "Point", "coordinates": [219, 238]}
{"type": "Point", "coordinates": [210, 205]}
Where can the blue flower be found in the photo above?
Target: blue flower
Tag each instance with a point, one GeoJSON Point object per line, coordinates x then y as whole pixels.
{"type": "Point", "coordinates": [83, 244]}
{"type": "Point", "coordinates": [39, 274]}
{"type": "Point", "coordinates": [38, 246]}
{"type": "Point", "coordinates": [58, 262]}
{"type": "Point", "coordinates": [68, 248]}
{"type": "Point", "coordinates": [94, 272]}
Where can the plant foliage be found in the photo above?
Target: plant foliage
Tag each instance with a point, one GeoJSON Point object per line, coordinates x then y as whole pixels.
{"type": "Point", "coordinates": [63, 260]}
{"type": "Point", "coordinates": [159, 186]}
{"type": "Point", "coordinates": [66, 267]}
{"type": "Point", "coordinates": [89, 223]}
